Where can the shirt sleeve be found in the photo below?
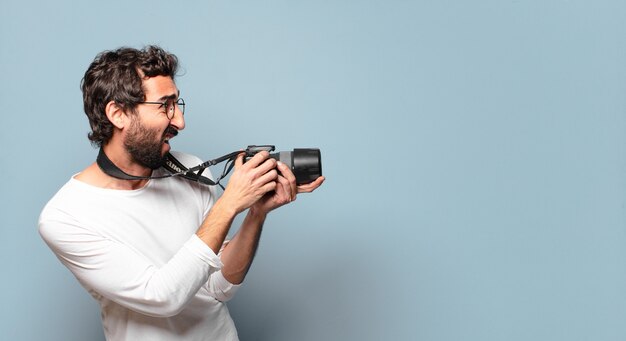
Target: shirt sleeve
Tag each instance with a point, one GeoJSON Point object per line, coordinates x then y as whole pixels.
{"type": "Point", "coordinates": [217, 286]}
{"type": "Point", "coordinates": [117, 272]}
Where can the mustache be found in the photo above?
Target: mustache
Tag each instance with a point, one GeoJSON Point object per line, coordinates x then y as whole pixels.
{"type": "Point", "coordinates": [170, 131]}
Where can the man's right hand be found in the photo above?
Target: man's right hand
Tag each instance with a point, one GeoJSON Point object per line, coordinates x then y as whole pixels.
{"type": "Point", "coordinates": [250, 181]}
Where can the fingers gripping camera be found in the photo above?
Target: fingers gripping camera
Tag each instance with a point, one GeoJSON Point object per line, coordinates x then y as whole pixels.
{"type": "Point", "coordinates": [305, 163]}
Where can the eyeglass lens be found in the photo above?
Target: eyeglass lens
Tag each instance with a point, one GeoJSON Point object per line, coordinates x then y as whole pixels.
{"type": "Point", "coordinates": [172, 107]}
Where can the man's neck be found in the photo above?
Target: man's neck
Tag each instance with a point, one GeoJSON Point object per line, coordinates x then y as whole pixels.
{"type": "Point", "coordinates": [118, 155]}
{"type": "Point", "coordinates": [94, 175]}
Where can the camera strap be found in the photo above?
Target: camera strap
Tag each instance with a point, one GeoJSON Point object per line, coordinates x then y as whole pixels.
{"type": "Point", "coordinates": [173, 166]}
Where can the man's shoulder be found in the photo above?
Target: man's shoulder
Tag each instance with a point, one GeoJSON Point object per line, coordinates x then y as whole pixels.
{"type": "Point", "coordinates": [179, 161]}
{"type": "Point", "coordinates": [188, 160]}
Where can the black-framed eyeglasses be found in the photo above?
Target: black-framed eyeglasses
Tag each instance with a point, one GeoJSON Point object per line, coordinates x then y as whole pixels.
{"type": "Point", "coordinates": [169, 106]}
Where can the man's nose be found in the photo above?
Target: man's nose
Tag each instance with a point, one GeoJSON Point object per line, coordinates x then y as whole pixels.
{"type": "Point", "coordinates": [178, 121]}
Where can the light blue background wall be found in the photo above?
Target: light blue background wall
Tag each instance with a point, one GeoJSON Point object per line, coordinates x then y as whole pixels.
{"type": "Point", "coordinates": [475, 155]}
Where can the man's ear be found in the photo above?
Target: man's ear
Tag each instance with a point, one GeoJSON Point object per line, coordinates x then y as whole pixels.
{"type": "Point", "coordinates": [115, 113]}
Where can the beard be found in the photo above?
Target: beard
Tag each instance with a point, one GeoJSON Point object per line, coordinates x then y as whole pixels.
{"type": "Point", "coordinates": [144, 145]}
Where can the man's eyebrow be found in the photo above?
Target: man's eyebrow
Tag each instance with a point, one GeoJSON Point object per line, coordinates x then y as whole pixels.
{"type": "Point", "coordinates": [168, 97]}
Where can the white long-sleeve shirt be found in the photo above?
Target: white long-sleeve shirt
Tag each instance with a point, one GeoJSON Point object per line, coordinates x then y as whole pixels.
{"type": "Point", "coordinates": [137, 254]}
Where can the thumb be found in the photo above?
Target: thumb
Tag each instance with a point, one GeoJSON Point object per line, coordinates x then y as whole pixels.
{"type": "Point", "coordinates": [239, 160]}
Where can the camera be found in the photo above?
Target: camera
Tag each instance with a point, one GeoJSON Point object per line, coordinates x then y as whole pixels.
{"type": "Point", "coordinates": [305, 163]}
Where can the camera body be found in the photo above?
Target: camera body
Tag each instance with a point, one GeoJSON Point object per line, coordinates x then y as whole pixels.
{"type": "Point", "coordinates": [305, 163]}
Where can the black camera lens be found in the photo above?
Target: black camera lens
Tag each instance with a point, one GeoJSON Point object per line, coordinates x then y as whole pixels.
{"type": "Point", "coordinates": [305, 163]}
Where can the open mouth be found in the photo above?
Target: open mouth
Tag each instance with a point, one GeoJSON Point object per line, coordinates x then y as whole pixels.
{"type": "Point", "coordinates": [170, 133]}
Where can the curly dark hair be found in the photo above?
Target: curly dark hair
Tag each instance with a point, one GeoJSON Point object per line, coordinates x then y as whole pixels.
{"type": "Point", "coordinates": [117, 76]}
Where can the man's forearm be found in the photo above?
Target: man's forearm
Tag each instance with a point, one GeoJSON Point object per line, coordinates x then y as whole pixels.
{"type": "Point", "coordinates": [216, 224]}
{"type": "Point", "coordinates": [239, 253]}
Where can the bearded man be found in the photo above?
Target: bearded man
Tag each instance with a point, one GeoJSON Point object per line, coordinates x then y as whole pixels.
{"type": "Point", "coordinates": [153, 252]}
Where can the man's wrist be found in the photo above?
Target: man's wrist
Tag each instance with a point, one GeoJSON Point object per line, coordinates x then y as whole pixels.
{"type": "Point", "coordinates": [257, 213]}
{"type": "Point", "coordinates": [224, 207]}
